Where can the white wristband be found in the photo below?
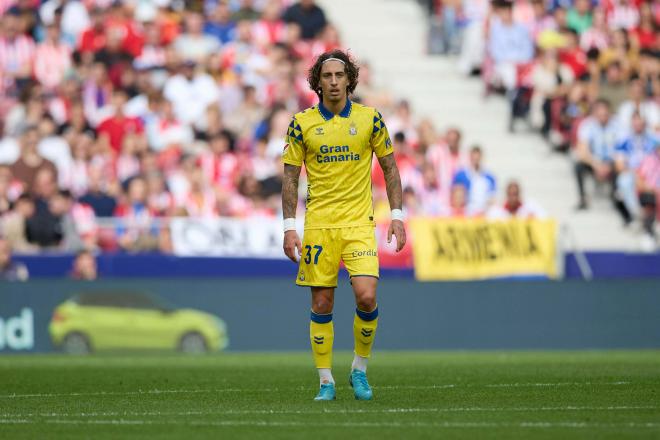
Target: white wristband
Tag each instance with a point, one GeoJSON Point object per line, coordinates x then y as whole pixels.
{"type": "Point", "coordinates": [397, 214]}
{"type": "Point", "coordinates": [289, 224]}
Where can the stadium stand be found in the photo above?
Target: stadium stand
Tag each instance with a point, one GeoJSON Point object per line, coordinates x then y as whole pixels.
{"type": "Point", "coordinates": [118, 116]}
{"type": "Point", "coordinates": [584, 75]}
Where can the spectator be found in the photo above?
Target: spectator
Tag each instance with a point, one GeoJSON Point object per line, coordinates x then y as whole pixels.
{"type": "Point", "coordinates": [44, 228]}
{"type": "Point", "coordinates": [308, 15]}
{"type": "Point", "coordinates": [77, 222]}
{"type": "Point", "coordinates": [458, 205]}
{"type": "Point", "coordinates": [153, 55]}
{"type": "Point", "coordinates": [614, 89]}
{"type": "Point", "coordinates": [29, 112]}
{"type": "Point", "coordinates": [509, 45]}
{"type": "Point", "coordinates": [221, 25]}
{"type": "Point", "coordinates": [200, 200]}
{"type": "Point", "coordinates": [269, 29]}
{"type": "Point", "coordinates": [94, 38]}
{"type": "Point", "coordinates": [84, 267]}
{"type": "Point", "coordinates": [597, 137]}
{"type": "Point", "coordinates": [54, 148]}
{"type": "Point", "coordinates": [74, 20]}
{"type": "Point", "coordinates": [194, 44]}
{"type": "Point", "coordinates": [102, 203]}
{"type": "Point", "coordinates": [52, 59]}
{"type": "Point", "coordinates": [246, 11]}
{"type": "Point", "coordinates": [14, 225]}
{"type": "Point", "coordinates": [16, 51]}
{"type": "Point", "coordinates": [137, 230]}
{"type": "Point", "coordinates": [515, 206]}
{"type": "Point", "coordinates": [8, 189]}
{"type": "Point", "coordinates": [190, 93]}
{"type": "Point", "coordinates": [596, 36]}
{"type": "Point", "coordinates": [645, 33]}
{"type": "Point", "coordinates": [648, 109]}
{"type": "Point", "coordinates": [159, 199]}
{"type": "Point", "coordinates": [478, 183]}
{"type": "Point", "coordinates": [629, 155]}
{"type": "Point", "coordinates": [572, 55]}
{"type": "Point", "coordinates": [30, 161]}
{"type": "Point", "coordinates": [117, 127]}
{"type": "Point", "coordinates": [623, 15]}
{"type": "Point", "coordinates": [447, 159]}
{"type": "Point", "coordinates": [549, 78]}
{"type": "Point", "coordinates": [10, 270]}
{"type": "Point", "coordinates": [579, 16]}
{"type": "Point", "coordinates": [476, 14]}
{"type": "Point", "coordinates": [649, 188]}
{"type": "Point", "coordinates": [219, 163]}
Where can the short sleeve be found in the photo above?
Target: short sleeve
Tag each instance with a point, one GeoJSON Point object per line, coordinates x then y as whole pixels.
{"type": "Point", "coordinates": [380, 138]}
{"type": "Point", "coordinates": [294, 148]}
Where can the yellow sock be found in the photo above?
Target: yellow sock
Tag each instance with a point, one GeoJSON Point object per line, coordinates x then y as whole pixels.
{"type": "Point", "coordinates": [322, 334]}
{"type": "Point", "coordinates": [364, 331]}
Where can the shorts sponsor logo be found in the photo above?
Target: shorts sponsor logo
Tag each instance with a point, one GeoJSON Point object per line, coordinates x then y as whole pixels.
{"type": "Point", "coordinates": [366, 253]}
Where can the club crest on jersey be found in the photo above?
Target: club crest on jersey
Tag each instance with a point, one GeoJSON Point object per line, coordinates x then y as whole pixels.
{"type": "Point", "coordinates": [352, 129]}
{"type": "Point", "coordinates": [319, 131]}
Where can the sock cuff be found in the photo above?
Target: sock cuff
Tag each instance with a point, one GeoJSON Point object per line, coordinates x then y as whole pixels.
{"type": "Point", "coordinates": [367, 316]}
{"type": "Point", "coordinates": [321, 318]}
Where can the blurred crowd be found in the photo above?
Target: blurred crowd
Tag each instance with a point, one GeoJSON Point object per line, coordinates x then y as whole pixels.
{"type": "Point", "coordinates": [584, 73]}
{"type": "Point", "coordinates": [117, 115]}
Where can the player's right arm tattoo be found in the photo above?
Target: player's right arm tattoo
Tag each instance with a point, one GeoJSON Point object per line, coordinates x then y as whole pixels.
{"type": "Point", "coordinates": [290, 190]}
{"type": "Point", "coordinates": [392, 181]}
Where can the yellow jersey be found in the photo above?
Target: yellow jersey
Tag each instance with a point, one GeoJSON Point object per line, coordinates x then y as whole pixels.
{"type": "Point", "coordinates": [337, 151]}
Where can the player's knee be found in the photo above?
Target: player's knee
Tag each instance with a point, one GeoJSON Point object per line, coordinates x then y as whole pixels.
{"type": "Point", "coordinates": [322, 305]}
{"type": "Point", "coordinates": [366, 300]}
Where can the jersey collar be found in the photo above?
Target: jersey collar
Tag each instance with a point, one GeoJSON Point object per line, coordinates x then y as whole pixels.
{"type": "Point", "coordinates": [327, 114]}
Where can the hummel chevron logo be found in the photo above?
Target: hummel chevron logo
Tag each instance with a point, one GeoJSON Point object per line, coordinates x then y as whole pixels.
{"type": "Point", "coordinates": [318, 339]}
{"type": "Point", "coordinates": [366, 332]}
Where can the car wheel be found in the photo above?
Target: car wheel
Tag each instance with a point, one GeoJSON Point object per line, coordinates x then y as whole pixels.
{"type": "Point", "coordinates": [193, 343]}
{"type": "Point", "coordinates": [76, 343]}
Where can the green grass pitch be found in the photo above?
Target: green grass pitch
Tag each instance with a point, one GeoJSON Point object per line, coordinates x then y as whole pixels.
{"type": "Point", "coordinates": [464, 395]}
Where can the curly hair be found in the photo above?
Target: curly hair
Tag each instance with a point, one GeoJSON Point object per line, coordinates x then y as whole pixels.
{"type": "Point", "coordinates": [350, 67]}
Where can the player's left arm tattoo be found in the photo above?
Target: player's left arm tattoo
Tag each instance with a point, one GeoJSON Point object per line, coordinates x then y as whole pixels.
{"type": "Point", "coordinates": [392, 181]}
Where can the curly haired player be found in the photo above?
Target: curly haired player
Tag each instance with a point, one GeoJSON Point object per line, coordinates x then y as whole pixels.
{"type": "Point", "coordinates": [336, 141]}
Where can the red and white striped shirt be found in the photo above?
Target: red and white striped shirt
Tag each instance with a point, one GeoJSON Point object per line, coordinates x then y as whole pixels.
{"type": "Point", "coordinates": [446, 165]}
{"type": "Point", "coordinates": [220, 170]}
{"type": "Point", "coordinates": [649, 171]}
{"type": "Point", "coordinates": [266, 33]}
{"type": "Point", "coordinates": [51, 63]}
{"type": "Point", "coordinates": [17, 55]}
{"type": "Point", "coordinates": [85, 220]}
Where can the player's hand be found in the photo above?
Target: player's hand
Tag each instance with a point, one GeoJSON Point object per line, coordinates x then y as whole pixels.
{"type": "Point", "coordinates": [291, 245]}
{"type": "Point", "coordinates": [397, 229]}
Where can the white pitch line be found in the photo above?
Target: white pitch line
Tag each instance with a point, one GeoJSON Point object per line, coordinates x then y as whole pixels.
{"type": "Point", "coordinates": [266, 423]}
{"type": "Point", "coordinates": [239, 390]}
{"type": "Point", "coordinates": [334, 411]}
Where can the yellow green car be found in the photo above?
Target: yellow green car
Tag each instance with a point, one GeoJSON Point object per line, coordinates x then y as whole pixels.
{"type": "Point", "coordinates": [132, 320]}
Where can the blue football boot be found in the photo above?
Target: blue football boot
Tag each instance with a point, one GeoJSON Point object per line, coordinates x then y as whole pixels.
{"type": "Point", "coordinates": [327, 392]}
{"type": "Point", "coordinates": [361, 388]}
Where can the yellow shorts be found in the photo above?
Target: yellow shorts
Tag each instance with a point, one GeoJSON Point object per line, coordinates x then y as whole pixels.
{"type": "Point", "coordinates": [322, 250]}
